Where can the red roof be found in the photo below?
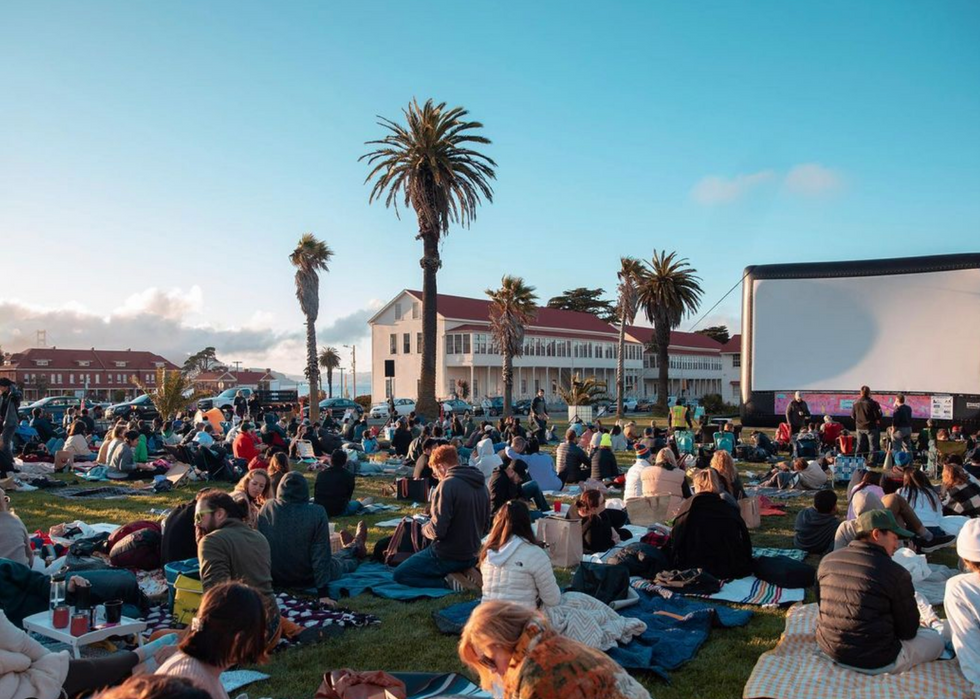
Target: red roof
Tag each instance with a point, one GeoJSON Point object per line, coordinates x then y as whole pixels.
{"type": "Point", "coordinates": [678, 340]}
{"type": "Point", "coordinates": [462, 308]}
{"type": "Point", "coordinates": [733, 346]}
{"type": "Point", "coordinates": [100, 359]}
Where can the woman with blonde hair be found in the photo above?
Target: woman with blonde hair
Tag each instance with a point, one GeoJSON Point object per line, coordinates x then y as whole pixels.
{"type": "Point", "coordinates": [109, 444]}
{"type": "Point", "coordinates": [516, 652]}
{"type": "Point", "coordinates": [664, 477]}
{"type": "Point", "coordinates": [253, 491]}
{"type": "Point", "coordinates": [723, 463]}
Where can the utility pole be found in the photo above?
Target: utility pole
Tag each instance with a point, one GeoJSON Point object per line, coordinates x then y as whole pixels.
{"type": "Point", "coordinates": [353, 360]}
{"type": "Point", "coordinates": [343, 386]}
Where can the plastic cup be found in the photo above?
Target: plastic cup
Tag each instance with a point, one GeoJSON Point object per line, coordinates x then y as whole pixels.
{"type": "Point", "coordinates": [558, 506]}
{"type": "Point", "coordinates": [60, 616]}
{"type": "Point", "coordinates": [79, 624]}
{"type": "Point", "coordinates": [113, 611]}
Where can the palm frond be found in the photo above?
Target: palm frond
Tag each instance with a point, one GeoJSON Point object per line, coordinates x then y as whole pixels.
{"type": "Point", "coordinates": [173, 392]}
{"type": "Point", "coordinates": [582, 391]}
{"type": "Point", "coordinates": [512, 307]}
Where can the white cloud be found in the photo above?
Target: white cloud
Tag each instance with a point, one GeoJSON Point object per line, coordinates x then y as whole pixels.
{"type": "Point", "coordinates": [715, 189]}
{"type": "Point", "coordinates": [812, 179]}
{"type": "Point", "coordinates": [173, 304]}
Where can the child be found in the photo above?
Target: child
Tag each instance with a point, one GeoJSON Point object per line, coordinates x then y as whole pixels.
{"type": "Point", "coordinates": [815, 526]}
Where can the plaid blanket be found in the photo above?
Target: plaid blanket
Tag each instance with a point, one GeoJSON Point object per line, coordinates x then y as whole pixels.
{"type": "Point", "coordinates": [296, 609]}
{"type": "Point", "coordinates": [795, 554]}
{"type": "Point", "coordinates": [748, 590]}
{"type": "Point", "coordinates": [796, 669]}
{"type": "Point", "coordinates": [107, 491]}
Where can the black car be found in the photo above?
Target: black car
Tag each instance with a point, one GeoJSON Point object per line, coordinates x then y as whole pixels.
{"type": "Point", "coordinates": [337, 407]}
{"type": "Point", "coordinates": [141, 408]}
{"type": "Point", "coordinates": [522, 407]}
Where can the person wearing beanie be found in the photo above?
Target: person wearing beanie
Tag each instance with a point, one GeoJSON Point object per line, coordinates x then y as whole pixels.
{"type": "Point", "coordinates": [962, 604]}
{"type": "Point", "coordinates": [604, 466]}
{"type": "Point", "coordinates": [634, 483]}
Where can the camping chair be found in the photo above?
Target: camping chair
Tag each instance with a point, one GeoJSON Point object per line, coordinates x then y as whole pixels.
{"type": "Point", "coordinates": [831, 431]}
{"type": "Point", "coordinates": [784, 436]}
{"type": "Point", "coordinates": [684, 439]}
{"type": "Point", "coordinates": [725, 441]}
{"type": "Point", "coordinates": [944, 449]}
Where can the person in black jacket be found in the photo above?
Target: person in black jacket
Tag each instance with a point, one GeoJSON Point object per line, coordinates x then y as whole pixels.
{"type": "Point", "coordinates": [901, 424]}
{"type": "Point", "coordinates": [709, 533]}
{"type": "Point", "coordinates": [402, 438]}
{"type": "Point", "coordinates": [510, 481]}
{"type": "Point", "coordinates": [572, 463]}
{"type": "Point", "coordinates": [334, 488]}
{"type": "Point", "coordinates": [601, 528]}
{"type": "Point", "coordinates": [867, 420]}
{"type": "Point", "coordinates": [797, 413]}
{"type": "Point", "coordinates": [869, 620]}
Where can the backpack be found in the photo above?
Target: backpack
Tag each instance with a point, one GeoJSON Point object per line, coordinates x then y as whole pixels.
{"type": "Point", "coordinates": [178, 541]}
{"type": "Point", "coordinates": [692, 581]}
{"type": "Point", "coordinates": [140, 549]}
{"type": "Point", "coordinates": [414, 489]}
{"type": "Point", "coordinates": [128, 529]}
{"type": "Point", "coordinates": [405, 542]}
{"type": "Point", "coordinates": [606, 582]}
{"type": "Point", "coordinates": [643, 560]}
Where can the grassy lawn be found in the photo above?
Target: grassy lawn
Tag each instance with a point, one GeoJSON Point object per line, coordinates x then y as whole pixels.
{"type": "Point", "coordinates": [407, 638]}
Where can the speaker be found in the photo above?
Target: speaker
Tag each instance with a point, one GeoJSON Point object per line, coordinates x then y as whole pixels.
{"type": "Point", "coordinates": [389, 368]}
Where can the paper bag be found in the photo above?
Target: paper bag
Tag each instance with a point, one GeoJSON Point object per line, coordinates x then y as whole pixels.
{"type": "Point", "coordinates": [562, 539]}
{"type": "Point", "coordinates": [653, 509]}
{"type": "Point", "coordinates": [749, 508]}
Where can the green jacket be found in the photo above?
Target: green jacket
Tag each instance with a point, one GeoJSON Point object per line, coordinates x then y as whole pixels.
{"type": "Point", "coordinates": [140, 453]}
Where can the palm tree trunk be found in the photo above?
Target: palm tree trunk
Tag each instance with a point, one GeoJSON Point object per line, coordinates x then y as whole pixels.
{"type": "Point", "coordinates": [314, 371]}
{"type": "Point", "coordinates": [329, 382]}
{"type": "Point", "coordinates": [430, 263]}
{"type": "Point", "coordinates": [508, 371]}
{"type": "Point", "coordinates": [663, 357]}
{"type": "Point", "coordinates": [620, 369]}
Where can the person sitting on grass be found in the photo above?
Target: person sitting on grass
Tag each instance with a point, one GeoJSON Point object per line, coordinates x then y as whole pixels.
{"type": "Point", "coordinates": [511, 481]}
{"type": "Point", "coordinates": [541, 467]}
{"type": "Point", "coordinates": [868, 619]}
{"type": "Point", "coordinates": [122, 465]}
{"type": "Point", "coordinates": [298, 533]}
{"type": "Point", "coordinates": [248, 448]}
{"type": "Point", "coordinates": [962, 604]}
{"type": "Point", "coordinates": [515, 651]}
{"type": "Point", "coordinates": [252, 492]}
{"type": "Point", "coordinates": [604, 466]}
{"type": "Point", "coordinates": [334, 488]}
{"type": "Point", "coordinates": [724, 464]}
{"type": "Point", "coordinates": [664, 477]}
{"type": "Point", "coordinates": [113, 437]}
{"type": "Point", "coordinates": [816, 526]}
{"type": "Point", "coordinates": [227, 631]}
{"type": "Point", "coordinates": [15, 544]}
{"type": "Point", "coordinates": [573, 464]}
{"type": "Point", "coordinates": [278, 467]}
{"type": "Point", "coordinates": [460, 517]}
{"type": "Point", "coordinates": [634, 474]}
{"type": "Point", "coordinates": [77, 443]}
{"type": "Point", "coordinates": [925, 502]}
{"type": "Point", "coordinates": [961, 491]}
{"type": "Point", "coordinates": [601, 528]}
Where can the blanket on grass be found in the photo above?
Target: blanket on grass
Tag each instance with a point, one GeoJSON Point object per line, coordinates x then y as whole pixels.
{"type": "Point", "coordinates": [748, 590]}
{"type": "Point", "coordinates": [378, 578]}
{"type": "Point", "coordinates": [303, 612]}
{"type": "Point", "coordinates": [108, 491]}
{"type": "Point", "coordinates": [795, 554]}
{"type": "Point", "coordinates": [426, 685]}
{"type": "Point", "coordinates": [797, 669]}
{"type": "Point", "coordinates": [675, 629]}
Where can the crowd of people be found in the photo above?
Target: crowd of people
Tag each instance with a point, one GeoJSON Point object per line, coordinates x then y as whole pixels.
{"type": "Point", "coordinates": [486, 484]}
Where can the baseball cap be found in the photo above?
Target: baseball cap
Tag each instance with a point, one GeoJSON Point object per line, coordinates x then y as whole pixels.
{"type": "Point", "coordinates": [880, 519]}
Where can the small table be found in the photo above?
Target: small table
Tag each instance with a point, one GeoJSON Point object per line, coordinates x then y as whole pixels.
{"type": "Point", "coordinates": [40, 623]}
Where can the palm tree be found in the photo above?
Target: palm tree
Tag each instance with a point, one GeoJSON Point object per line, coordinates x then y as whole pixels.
{"type": "Point", "coordinates": [512, 307]}
{"type": "Point", "coordinates": [329, 360]}
{"type": "Point", "coordinates": [630, 273]}
{"type": "Point", "coordinates": [582, 391]}
{"type": "Point", "coordinates": [310, 256]}
{"type": "Point", "coordinates": [669, 290]}
{"type": "Point", "coordinates": [430, 164]}
{"type": "Point", "coordinates": [174, 391]}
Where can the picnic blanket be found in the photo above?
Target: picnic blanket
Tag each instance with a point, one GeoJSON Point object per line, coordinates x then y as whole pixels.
{"type": "Point", "coordinates": [426, 685]}
{"type": "Point", "coordinates": [777, 494]}
{"type": "Point", "coordinates": [767, 508]}
{"type": "Point", "coordinates": [749, 590]}
{"type": "Point", "coordinates": [303, 612]}
{"type": "Point", "coordinates": [795, 554]}
{"type": "Point", "coordinates": [378, 578]}
{"type": "Point", "coordinates": [797, 669]}
{"type": "Point", "coordinates": [106, 491]}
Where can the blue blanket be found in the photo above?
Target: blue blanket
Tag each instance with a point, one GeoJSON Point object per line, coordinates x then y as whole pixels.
{"type": "Point", "coordinates": [667, 643]}
{"type": "Point", "coordinates": [377, 578]}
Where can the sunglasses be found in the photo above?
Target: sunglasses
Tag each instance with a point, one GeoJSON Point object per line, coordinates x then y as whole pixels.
{"type": "Point", "coordinates": [200, 514]}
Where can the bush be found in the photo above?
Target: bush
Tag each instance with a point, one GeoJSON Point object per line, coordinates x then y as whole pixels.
{"type": "Point", "coordinates": [364, 401]}
{"type": "Point", "coordinates": [713, 403]}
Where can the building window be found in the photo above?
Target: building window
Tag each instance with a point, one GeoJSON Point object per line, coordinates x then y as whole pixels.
{"type": "Point", "coordinates": [71, 379]}
{"type": "Point", "coordinates": [418, 343]}
{"type": "Point", "coordinates": [416, 310]}
{"type": "Point", "coordinates": [736, 360]}
{"type": "Point", "coordinates": [149, 378]}
{"type": "Point", "coordinates": [388, 389]}
{"type": "Point", "coordinates": [523, 386]}
{"type": "Point", "coordinates": [466, 344]}
{"type": "Point", "coordinates": [393, 344]}
{"type": "Point", "coordinates": [398, 311]}
{"type": "Point", "coordinates": [98, 378]}
{"type": "Point", "coordinates": [407, 343]}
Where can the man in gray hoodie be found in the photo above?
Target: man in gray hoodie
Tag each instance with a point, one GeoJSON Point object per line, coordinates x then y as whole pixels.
{"type": "Point", "coordinates": [460, 519]}
{"type": "Point", "coordinates": [299, 539]}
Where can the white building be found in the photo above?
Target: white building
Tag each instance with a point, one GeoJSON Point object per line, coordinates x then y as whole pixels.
{"type": "Point", "coordinates": [696, 364]}
{"type": "Point", "coordinates": [731, 369]}
{"type": "Point", "coordinates": [558, 344]}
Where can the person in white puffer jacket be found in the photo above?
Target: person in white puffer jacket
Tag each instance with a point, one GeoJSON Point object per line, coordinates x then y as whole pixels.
{"type": "Point", "coordinates": [514, 566]}
{"type": "Point", "coordinates": [634, 481]}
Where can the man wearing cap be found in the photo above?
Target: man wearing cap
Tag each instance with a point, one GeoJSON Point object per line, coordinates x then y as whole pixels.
{"type": "Point", "coordinates": [634, 482]}
{"type": "Point", "coordinates": [869, 620]}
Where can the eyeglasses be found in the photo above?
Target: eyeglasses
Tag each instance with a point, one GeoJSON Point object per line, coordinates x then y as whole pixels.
{"type": "Point", "coordinates": [200, 514]}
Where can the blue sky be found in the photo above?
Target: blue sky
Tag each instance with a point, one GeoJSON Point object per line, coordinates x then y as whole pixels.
{"type": "Point", "coordinates": [162, 159]}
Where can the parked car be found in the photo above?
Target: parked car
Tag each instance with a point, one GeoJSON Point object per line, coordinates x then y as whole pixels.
{"type": "Point", "coordinates": [337, 407]}
{"type": "Point", "coordinates": [141, 408]}
{"type": "Point", "coordinates": [55, 406]}
{"type": "Point", "coordinates": [403, 406]}
{"type": "Point", "coordinates": [494, 406]}
{"type": "Point", "coordinates": [225, 401]}
{"type": "Point", "coordinates": [455, 406]}
{"type": "Point", "coordinates": [630, 405]}
{"type": "Point", "coordinates": [522, 407]}
{"type": "Point", "coordinates": [646, 405]}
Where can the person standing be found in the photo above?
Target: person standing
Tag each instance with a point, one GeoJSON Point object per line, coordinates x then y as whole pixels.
{"type": "Point", "coordinates": [867, 421]}
{"type": "Point", "coordinates": [797, 413]}
{"type": "Point", "coordinates": [539, 409]}
{"type": "Point", "coordinates": [241, 405]}
{"type": "Point", "coordinates": [9, 419]}
{"type": "Point", "coordinates": [901, 424]}
{"type": "Point", "coordinates": [679, 417]}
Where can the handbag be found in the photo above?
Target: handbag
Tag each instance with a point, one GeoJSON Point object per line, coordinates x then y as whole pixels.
{"type": "Point", "coordinates": [562, 539]}
{"type": "Point", "coordinates": [749, 508]}
{"type": "Point", "coordinates": [351, 684]}
{"type": "Point", "coordinates": [653, 509]}
{"type": "Point", "coordinates": [693, 581]}
{"type": "Point", "coordinates": [607, 583]}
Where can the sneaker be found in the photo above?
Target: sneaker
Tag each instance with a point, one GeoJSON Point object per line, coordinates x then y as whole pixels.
{"type": "Point", "coordinates": [937, 543]}
{"type": "Point", "coordinates": [466, 580]}
{"type": "Point", "coordinates": [457, 582]}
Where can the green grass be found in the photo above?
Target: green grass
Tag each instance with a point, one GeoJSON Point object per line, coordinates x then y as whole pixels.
{"type": "Point", "coordinates": [407, 639]}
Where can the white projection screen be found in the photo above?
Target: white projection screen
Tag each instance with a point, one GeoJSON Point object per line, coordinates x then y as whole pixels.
{"type": "Point", "coordinates": [908, 325]}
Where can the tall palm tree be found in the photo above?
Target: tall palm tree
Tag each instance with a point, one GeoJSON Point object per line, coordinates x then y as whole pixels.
{"type": "Point", "coordinates": [582, 391]}
{"type": "Point", "coordinates": [329, 360]}
{"type": "Point", "coordinates": [630, 273]}
{"type": "Point", "coordinates": [512, 307]}
{"type": "Point", "coordinates": [173, 391]}
{"type": "Point", "coordinates": [430, 164]}
{"type": "Point", "coordinates": [309, 258]}
{"type": "Point", "coordinates": [669, 290]}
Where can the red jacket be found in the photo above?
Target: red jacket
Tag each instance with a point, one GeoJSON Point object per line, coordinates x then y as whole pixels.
{"type": "Point", "coordinates": [244, 447]}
